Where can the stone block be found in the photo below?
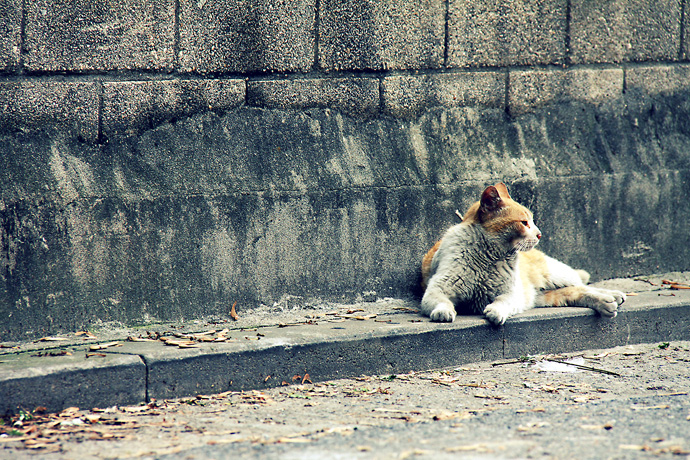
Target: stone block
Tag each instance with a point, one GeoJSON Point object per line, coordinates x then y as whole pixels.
{"type": "Point", "coordinates": [328, 353]}
{"type": "Point", "coordinates": [58, 382]}
{"type": "Point", "coordinates": [499, 33]}
{"type": "Point", "coordinates": [408, 96]}
{"type": "Point", "coordinates": [381, 34]}
{"type": "Point", "coordinates": [34, 104]}
{"type": "Point", "coordinates": [240, 36]}
{"type": "Point", "coordinates": [531, 89]}
{"type": "Point", "coordinates": [10, 33]}
{"type": "Point", "coordinates": [658, 80]}
{"type": "Point", "coordinates": [85, 35]}
{"type": "Point", "coordinates": [636, 322]}
{"type": "Point", "coordinates": [354, 96]}
{"type": "Point", "coordinates": [625, 30]}
{"type": "Point", "coordinates": [133, 106]}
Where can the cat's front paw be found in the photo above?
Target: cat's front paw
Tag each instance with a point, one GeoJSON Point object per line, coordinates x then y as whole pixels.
{"type": "Point", "coordinates": [605, 301]}
{"type": "Point", "coordinates": [497, 313]}
{"type": "Point", "coordinates": [443, 313]}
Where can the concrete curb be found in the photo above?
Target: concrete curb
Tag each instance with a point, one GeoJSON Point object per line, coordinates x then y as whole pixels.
{"type": "Point", "coordinates": [271, 356]}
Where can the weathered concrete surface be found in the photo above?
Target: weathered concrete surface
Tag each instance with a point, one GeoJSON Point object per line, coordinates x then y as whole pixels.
{"type": "Point", "coordinates": [131, 107]}
{"type": "Point", "coordinates": [189, 217]}
{"type": "Point", "coordinates": [324, 346]}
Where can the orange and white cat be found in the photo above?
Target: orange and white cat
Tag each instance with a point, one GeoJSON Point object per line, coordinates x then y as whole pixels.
{"type": "Point", "coordinates": [487, 264]}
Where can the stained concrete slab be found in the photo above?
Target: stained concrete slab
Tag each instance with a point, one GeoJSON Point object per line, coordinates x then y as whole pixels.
{"type": "Point", "coordinates": [253, 204]}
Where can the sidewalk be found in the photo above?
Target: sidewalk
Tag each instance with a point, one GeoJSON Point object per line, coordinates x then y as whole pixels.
{"type": "Point", "coordinates": [129, 366]}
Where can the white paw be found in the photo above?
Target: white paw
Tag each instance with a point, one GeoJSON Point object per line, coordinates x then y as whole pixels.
{"type": "Point", "coordinates": [497, 313]}
{"type": "Point", "coordinates": [605, 301]}
{"type": "Point", "coordinates": [443, 313]}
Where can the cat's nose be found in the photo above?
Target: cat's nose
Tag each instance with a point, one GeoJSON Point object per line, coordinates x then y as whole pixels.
{"type": "Point", "coordinates": [539, 235]}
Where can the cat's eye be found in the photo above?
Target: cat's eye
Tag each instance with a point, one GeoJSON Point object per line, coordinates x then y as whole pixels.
{"type": "Point", "coordinates": [525, 223]}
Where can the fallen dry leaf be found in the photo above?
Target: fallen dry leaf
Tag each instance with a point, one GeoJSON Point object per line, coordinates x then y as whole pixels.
{"type": "Point", "coordinates": [14, 438]}
{"type": "Point", "coordinates": [360, 317]}
{"type": "Point", "coordinates": [524, 411]}
{"type": "Point", "coordinates": [675, 450]}
{"type": "Point", "coordinates": [233, 313]}
{"type": "Point", "coordinates": [134, 408]}
{"type": "Point", "coordinates": [605, 426]}
{"type": "Point", "coordinates": [448, 415]}
{"type": "Point", "coordinates": [413, 453]}
{"type": "Point", "coordinates": [87, 334]}
{"type": "Point", "coordinates": [485, 396]}
{"type": "Point", "coordinates": [644, 447]}
{"type": "Point", "coordinates": [256, 397]}
{"type": "Point", "coordinates": [103, 346]}
{"type": "Point", "coordinates": [468, 448]}
{"type": "Point", "coordinates": [69, 412]}
{"type": "Point", "coordinates": [42, 354]}
{"type": "Point", "coordinates": [291, 440]}
{"type": "Point", "coordinates": [531, 426]}
{"type": "Point", "coordinates": [92, 418]}
{"type": "Point", "coordinates": [660, 406]}
{"type": "Point", "coordinates": [99, 355]}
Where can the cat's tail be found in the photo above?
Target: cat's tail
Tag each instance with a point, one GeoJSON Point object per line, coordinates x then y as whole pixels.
{"type": "Point", "coordinates": [426, 264]}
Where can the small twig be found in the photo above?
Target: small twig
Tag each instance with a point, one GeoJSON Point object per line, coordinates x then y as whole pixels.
{"type": "Point", "coordinates": [645, 281]}
{"type": "Point", "coordinates": [583, 367]}
{"type": "Point", "coordinates": [457, 213]}
{"type": "Point", "coordinates": [523, 359]}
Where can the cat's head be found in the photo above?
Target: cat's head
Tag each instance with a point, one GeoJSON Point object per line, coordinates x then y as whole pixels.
{"type": "Point", "coordinates": [504, 218]}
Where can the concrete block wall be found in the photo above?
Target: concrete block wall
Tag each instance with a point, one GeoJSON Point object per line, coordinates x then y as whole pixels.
{"type": "Point", "coordinates": [176, 156]}
{"type": "Point", "coordinates": [69, 63]}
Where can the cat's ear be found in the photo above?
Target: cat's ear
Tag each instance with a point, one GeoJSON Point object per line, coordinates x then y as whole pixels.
{"type": "Point", "coordinates": [502, 190]}
{"type": "Point", "coordinates": [491, 200]}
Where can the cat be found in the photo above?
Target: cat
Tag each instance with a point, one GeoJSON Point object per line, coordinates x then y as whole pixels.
{"type": "Point", "coordinates": [488, 264]}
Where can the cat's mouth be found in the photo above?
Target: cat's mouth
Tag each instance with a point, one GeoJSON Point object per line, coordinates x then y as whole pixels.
{"type": "Point", "coordinates": [526, 244]}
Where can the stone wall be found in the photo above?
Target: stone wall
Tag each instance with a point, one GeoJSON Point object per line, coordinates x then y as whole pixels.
{"type": "Point", "coordinates": [165, 158]}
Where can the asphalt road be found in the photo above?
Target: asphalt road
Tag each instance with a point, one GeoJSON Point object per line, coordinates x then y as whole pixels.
{"type": "Point", "coordinates": [626, 402]}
